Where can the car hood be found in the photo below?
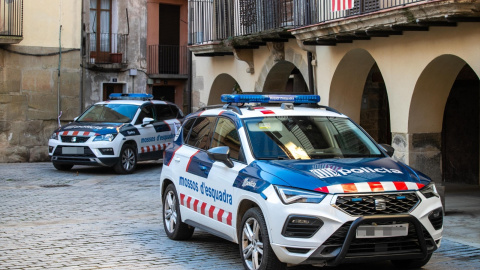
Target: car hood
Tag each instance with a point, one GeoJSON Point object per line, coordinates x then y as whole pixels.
{"type": "Point", "coordinates": [90, 128]}
{"type": "Point", "coordinates": [346, 175]}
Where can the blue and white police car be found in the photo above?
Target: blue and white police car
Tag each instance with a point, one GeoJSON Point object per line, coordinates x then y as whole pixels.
{"type": "Point", "coordinates": [297, 183]}
{"type": "Point", "coordinates": [117, 133]}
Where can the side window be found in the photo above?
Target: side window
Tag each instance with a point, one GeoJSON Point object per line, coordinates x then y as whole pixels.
{"type": "Point", "coordinates": [163, 112]}
{"type": "Point", "coordinates": [176, 111]}
{"type": "Point", "coordinates": [200, 133]}
{"type": "Point", "coordinates": [186, 128]}
{"type": "Point", "coordinates": [146, 111]}
{"type": "Point", "coordinates": [226, 134]}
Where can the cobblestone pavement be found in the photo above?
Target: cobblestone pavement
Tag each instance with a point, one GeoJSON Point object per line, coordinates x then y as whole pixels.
{"type": "Point", "coordinates": [91, 218]}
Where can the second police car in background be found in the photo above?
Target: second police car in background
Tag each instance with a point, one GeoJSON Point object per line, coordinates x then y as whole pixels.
{"type": "Point", "coordinates": [296, 185]}
{"type": "Point", "coordinates": [118, 132]}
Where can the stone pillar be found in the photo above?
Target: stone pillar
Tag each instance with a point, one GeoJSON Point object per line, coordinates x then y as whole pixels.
{"type": "Point", "coordinates": [423, 152]}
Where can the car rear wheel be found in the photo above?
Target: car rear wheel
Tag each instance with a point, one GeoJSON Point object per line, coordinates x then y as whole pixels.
{"type": "Point", "coordinates": [172, 221]}
{"type": "Point", "coordinates": [62, 167]}
{"type": "Point", "coordinates": [255, 249]}
{"type": "Point", "coordinates": [411, 264]}
{"type": "Point", "coordinates": [128, 160]}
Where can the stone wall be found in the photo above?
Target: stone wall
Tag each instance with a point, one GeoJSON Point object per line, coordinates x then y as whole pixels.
{"type": "Point", "coordinates": [28, 99]}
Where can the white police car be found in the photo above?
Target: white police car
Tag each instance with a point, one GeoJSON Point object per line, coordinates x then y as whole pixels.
{"type": "Point", "coordinates": [296, 184]}
{"type": "Point", "coordinates": [119, 132]}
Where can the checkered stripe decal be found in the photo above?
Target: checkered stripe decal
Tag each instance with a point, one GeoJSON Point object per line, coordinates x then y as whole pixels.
{"type": "Point", "coordinates": [206, 209]}
{"type": "Point", "coordinates": [76, 133]}
{"type": "Point", "coordinates": [370, 187]}
{"type": "Point", "coordinates": [152, 148]}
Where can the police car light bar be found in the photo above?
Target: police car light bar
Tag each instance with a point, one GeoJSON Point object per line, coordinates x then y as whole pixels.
{"type": "Point", "coordinates": [298, 99]}
{"type": "Point", "coordinates": [118, 96]}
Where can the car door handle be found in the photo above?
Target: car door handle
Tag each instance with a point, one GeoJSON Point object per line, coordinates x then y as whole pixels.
{"type": "Point", "coordinates": [205, 169]}
{"type": "Point", "coordinates": [177, 159]}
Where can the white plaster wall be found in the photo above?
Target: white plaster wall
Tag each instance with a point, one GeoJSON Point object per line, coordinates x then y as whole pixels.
{"type": "Point", "coordinates": [402, 59]}
{"type": "Point", "coordinates": [42, 20]}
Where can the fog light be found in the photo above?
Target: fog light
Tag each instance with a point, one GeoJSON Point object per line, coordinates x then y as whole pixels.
{"type": "Point", "coordinates": [436, 218]}
{"type": "Point", "coordinates": [301, 226]}
{"type": "Point", "coordinates": [106, 151]}
{"type": "Point", "coordinates": [50, 149]}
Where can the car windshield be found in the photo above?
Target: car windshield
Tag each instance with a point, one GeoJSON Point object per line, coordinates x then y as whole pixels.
{"type": "Point", "coordinates": [111, 113]}
{"type": "Point", "coordinates": [308, 137]}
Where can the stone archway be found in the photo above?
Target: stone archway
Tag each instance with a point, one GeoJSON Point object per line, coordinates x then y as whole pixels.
{"type": "Point", "coordinates": [348, 83]}
{"type": "Point", "coordinates": [285, 62]}
{"type": "Point", "coordinates": [223, 84]}
{"type": "Point", "coordinates": [285, 77]}
{"type": "Point", "coordinates": [427, 111]}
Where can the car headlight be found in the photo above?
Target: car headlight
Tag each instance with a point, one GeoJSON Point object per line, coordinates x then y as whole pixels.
{"type": "Point", "coordinates": [293, 195]}
{"type": "Point", "coordinates": [106, 137]}
{"type": "Point", "coordinates": [54, 136]}
{"type": "Point", "coordinates": [430, 191]}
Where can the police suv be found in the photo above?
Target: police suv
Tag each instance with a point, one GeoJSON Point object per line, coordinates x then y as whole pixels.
{"type": "Point", "coordinates": [117, 133]}
{"type": "Point", "coordinates": [297, 183]}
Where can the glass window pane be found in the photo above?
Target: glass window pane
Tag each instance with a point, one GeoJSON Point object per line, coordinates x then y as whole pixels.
{"type": "Point", "coordinates": [93, 4]}
{"type": "Point", "coordinates": [200, 134]}
{"type": "Point", "coordinates": [105, 4]}
{"type": "Point", "coordinates": [226, 134]}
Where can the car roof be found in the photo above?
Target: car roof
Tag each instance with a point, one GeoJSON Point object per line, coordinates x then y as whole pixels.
{"type": "Point", "coordinates": [265, 111]}
{"type": "Point", "coordinates": [134, 102]}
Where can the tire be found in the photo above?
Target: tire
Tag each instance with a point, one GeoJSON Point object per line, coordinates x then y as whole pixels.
{"type": "Point", "coordinates": [172, 220]}
{"type": "Point", "coordinates": [254, 243]}
{"type": "Point", "coordinates": [62, 167]}
{"type": "Point", "coordinates": [127, 161]}
{"type": "Point", "coordinates": [411, 264]}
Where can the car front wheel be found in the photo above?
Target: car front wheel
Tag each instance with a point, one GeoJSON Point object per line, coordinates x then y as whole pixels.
{"type": "Point", "coordinates": [172, 221]}
{"type": "Point", "coordinates": [255, 249]}
{"type": "Point", "coordinates": [128, 160]}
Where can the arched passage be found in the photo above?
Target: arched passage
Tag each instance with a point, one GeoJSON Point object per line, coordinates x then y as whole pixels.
{"type": "Point", "coordinates": [348, 82]}
{"type": "Point", "coordinates": [439, 95]}
{"type": "Point", "coordinates": [223, 84]}
{"type": "Point", "coordinates": [285, 77]}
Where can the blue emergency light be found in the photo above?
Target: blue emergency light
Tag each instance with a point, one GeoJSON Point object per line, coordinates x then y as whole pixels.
{"type": "Point", "coordinates": [298, 99]}
{"type": "Point", "coordinates": [119, 96]}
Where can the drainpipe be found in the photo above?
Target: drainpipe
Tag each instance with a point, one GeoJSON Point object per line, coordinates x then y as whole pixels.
{"type": "Point", "coordinates": [82, 53]}
{"type": "Point", "coordinates": [58, 76]}
{"type": "Point", "coordinates": [189, 86]}
{"type": "Point", "coordinates": [311, 83]}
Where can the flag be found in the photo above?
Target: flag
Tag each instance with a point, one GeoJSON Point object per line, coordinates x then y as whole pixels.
{"type": "Point", "coordinates": [338, 5]}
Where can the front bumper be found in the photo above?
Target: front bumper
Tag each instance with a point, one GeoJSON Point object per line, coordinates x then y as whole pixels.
{"type": "Point", "coordinates": [335, 242]}
{"type": "Point", "coordinates": [91, 154]}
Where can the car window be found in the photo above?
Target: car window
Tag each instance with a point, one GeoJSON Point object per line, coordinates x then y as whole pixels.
{"type": "Point", "coordinates": [226, 134]}
{"type": "Point", "coordinates": [200, 132]}
{"type": "Point", "coordinates": [112, 113]}
{"type": "Point", "coordinates": [163, 112]}
{"type": "Point", "coordinates": [186, 128]}
{"type": "Point", "coordinates": [176, 111]}
{"type": "Point", "coordinates": [145, 111]}
{"type": "Point", "coordinates": [308, 137]}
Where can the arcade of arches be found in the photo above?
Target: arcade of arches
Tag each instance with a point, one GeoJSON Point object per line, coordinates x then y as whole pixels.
{"type": "Point", "coordinates": [429, 113]}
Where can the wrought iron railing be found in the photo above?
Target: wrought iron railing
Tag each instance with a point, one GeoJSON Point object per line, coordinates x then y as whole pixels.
{"type": "Point", "coordinates": [106, 48]}
{"type": "Point", "coordinates": [222, 19]}
{"type": "Point", "coordinates": [11, 18]}
{"type": "Point", "coordinates": [167, 59]}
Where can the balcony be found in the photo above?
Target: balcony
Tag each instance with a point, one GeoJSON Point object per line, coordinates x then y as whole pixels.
{"type": "Point", "coordinates": [167, 62]}
{"type": "Point", "coordinates": [218, 27]}
{"type": "Point", "coordinates": [11, 21]}
{"type": "Point", "coordinates": [106, 51]}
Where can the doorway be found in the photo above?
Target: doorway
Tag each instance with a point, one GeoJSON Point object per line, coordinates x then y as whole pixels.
{"type": "Point", "coordinates": [165, 93]}
{"type": "Point", "coordinates": [110, 88]}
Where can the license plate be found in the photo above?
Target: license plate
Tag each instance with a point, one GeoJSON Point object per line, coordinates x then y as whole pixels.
{"type": "Point", "coordinates": [372, 231]}
{"type": "Point", "coordinates": [73, 150]}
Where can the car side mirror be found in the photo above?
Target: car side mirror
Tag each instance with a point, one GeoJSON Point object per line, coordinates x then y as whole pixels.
{"type": "Point", "coordinates": [389, 149]}
{"type": "Point", "coordinates": [147, 121]}
{"type": "Point", "coordinates": [221, 154]}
